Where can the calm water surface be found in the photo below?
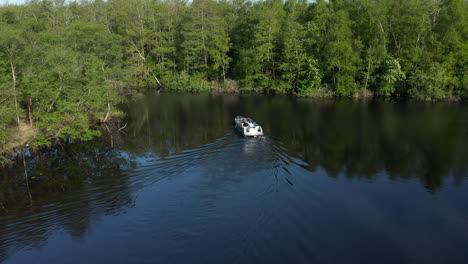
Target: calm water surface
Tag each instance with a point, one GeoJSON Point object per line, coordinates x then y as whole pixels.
{"type": "Point", "coordinates": [331, 182]}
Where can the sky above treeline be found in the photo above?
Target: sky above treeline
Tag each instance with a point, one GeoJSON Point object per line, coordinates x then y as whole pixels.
{"type": "Point", "coordinates": [9, 2]}
{"type": "Point", "coordinates": [18, 2]}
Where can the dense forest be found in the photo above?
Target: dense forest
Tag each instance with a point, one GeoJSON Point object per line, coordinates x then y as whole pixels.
{"type": "Point", "coordinates": [65, 66]}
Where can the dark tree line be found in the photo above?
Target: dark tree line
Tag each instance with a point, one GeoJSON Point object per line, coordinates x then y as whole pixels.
{"type": "Point", "coordinates": [65, 66]}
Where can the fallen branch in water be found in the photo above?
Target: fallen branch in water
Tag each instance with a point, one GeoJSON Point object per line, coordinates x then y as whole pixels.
{"type": "Point", "coordinates": [123, 127]}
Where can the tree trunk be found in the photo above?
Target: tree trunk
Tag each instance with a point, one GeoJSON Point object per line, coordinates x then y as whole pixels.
{"type": "Point", "coordinates": [205, 57]}
{"type": "Point", "coordinates": [56, 98]}
{"type": "Point", "coordinates": [108, 115]}
{"type": "Point", "coordinates": [366, 80]}
{"type": "Point", "coordinates": [384, 38]}
{"type": "Point", "coordinates": [13, 75]}
{"type": "Point", "coordinates": [157, 80]}
{"type": "Point", "coordinates": [30, 112]}
{"type": "Point", "coordinates": [224, 70]}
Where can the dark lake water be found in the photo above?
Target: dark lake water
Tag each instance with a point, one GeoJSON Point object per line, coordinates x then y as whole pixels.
{"type": "Point", "coordinates": [332, 181]}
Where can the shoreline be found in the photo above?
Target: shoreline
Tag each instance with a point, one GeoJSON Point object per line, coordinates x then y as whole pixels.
{"type": "Point", "coordinates": [26, 133]}
{"type": "Point", "coordinates": [323, 93]}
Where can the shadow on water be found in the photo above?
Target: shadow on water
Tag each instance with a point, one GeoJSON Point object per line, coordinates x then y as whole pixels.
{"type": "Point", "coordinates": [188, 138]}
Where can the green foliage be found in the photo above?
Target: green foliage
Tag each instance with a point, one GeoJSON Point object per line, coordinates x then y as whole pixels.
{"type": "Point", "coordinates": [387, 77]}
{"type": "Point", "coordinates": [345, 85]}
{"type": "Point", "coordinates": [433, 83]}
{"type": "Point", "coordinates": [309, 78]}
{"type": "Point", "coordinates": [186, 82]}
{"type": "Point", "coordinates": [205, 39]}
{"type": "Point", "coordinates": [258, 37]}
{"type": "Point", "coordinates": [463, 90]}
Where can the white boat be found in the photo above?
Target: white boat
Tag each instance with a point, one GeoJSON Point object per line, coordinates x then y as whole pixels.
{"type": "Point", "coordinates": [247, 127]}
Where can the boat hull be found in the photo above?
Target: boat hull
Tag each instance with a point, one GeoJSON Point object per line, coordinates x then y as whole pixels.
{"type": "Point", "coordinates": [246, 128]}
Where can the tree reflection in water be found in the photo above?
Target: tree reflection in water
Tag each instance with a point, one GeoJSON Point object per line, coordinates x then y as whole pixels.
{"type": "Point", "coordinates": [404, 139]}
{"type": "Point", "coordinates": [69, 190]}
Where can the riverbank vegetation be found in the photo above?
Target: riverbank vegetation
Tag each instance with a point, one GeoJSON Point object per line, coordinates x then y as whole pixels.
{"type": "Point", "coordinates": [65, 67]}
